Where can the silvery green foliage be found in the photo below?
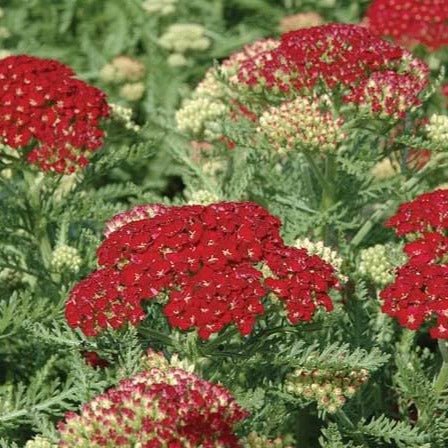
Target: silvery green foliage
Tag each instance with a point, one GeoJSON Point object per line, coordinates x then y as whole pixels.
{"type": "Point", "coordinates": [148, 159]}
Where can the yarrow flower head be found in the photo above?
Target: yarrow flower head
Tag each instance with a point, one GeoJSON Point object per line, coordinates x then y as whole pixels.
{"type": "Point", "coordinates": [410, 22]}
{"type": "Point", "coordinates": [93, 359]}
{"type": "Point", "coordinates": [66, 258]}
{"type": "Point", "coordinates": [254, 440]}
{"type": "Point", "coordinates": [420, 289]}
{"type": "Point", "coordinates": [207, 260]}
{"type": "Point", "coordinates": [326, 253]}
{"type": "Point", "coordinates": [198, 116]}
{"type": "Point", "coordinates": [124, 115]}
{"type": "Point", "coordinates": [418, 293]}
{"type": "Point", "coordinates": [39, 442]}
{"type": "Point", "coordinates": [159, 7]}
{"type": "Point", "coordinates": [437, 130]}
{"type": "Point", "coordinates": [181, 38]}
{"type": "Point", "coordinates": [159, 407]}
{"type": "Point", "coordinates": [368, 71]}
{"type": "Point", "coordinates": [48, 113]}
{"type": "Point", "coordinates": [385, 169]}
{"type": "Point", "coordinates": [212, 99]}
{"type": "Point", "coordinates": [330, 388]}
{"type": "Point", "coordinates": [387, 94]}
{"type": "Point", "coordinates": [123, 68]}
{"type": "Point", "coordinates": [157, 360]}
{"type": "Point", "coordinates": [427, 213]}
{"type": "Point", "coordinates": [132, 91]}
{"type": "Point", "coordinates": [378, 263]}
{"type": "Point", "coordinates": [202, 197]}
{"type": "Point", "coordinates": [301, 20]}
{"type": "Point", "coordinates": [301, 123]}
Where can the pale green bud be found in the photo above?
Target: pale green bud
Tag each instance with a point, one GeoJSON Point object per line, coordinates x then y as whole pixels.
{"type": "Point", "coordinates": [66, 258]}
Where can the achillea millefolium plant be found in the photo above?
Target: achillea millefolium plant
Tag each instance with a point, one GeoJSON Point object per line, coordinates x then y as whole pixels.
{"type": "Point", "coordinates": [224, 224]}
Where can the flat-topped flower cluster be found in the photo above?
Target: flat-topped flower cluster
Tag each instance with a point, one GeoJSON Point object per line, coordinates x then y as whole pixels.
{"type": "Point", "coordinates": [348, 59]}
{"type": "Point", "coordinates": [156, 408]}
{"type": "Point", "coordinates": [301, 89]}
{"type": "Point", "coordinates": [206, 263]}
{"type": "Point", "coordinates": [410, 22]}
{"type": "Point", "coordinates": [420, 289]}
{"type": "Point", "coordinates": [48, 113]}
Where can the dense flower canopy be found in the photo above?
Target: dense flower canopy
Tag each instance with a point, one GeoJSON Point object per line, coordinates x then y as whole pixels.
{"type": "Point", "coordinates": [420, 289]}
{"type": "Point", "coordinates": [427, 212]}
{"type": "Point", "coordinates": [155, 408]}
{"type": "Point", "coordinates": [369, 71]}
{"type": "Point", "coordinates": [209, 262]}
{"type": "Point", "coordinates": [410, 22]}
{"type": "Point", "coordinates": [50, 114]}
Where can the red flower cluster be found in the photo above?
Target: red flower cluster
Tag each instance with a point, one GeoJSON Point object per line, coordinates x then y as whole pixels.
{"type": "Point", "coordinates": [410, 22]}
{"type": "Point", "coordinates": [93, 359]}
{"type": "Point", "coordinates": [161, 407]}
{"type": "Point", "coordinates": [420, 289]}
{"type": "Point", "coordinates": [367, 70]}
{"type": "Point", "coordinates": [427, 213]}
{"type": "Point", "coordinates": [387, 92]}
{"type": "Point", "coordinates": [49, 113]}
{"type": "Point", "coordinates": [208, 260]}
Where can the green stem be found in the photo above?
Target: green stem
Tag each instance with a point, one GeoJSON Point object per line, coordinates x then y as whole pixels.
{"type": "Point", "coordinates": [344, 419]}
{"type": "Point", "coordinates": [318, 173]}
{"type": "Point", "coordinates": [326, 181]}
{"type": "Point", "coordinates": [328, 192]}
{"type": "Point", "coordinates": [386, 208]}
{"type": "Point", "coordinates": [39, 219]}
{"type": "Point", "coordinates": [442, 378]}
{"type": "Point", "coordinates": [159, 336]}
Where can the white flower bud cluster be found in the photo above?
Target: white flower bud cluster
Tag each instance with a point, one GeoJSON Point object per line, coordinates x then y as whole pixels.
{"type": "Point", "coordinates": [437, 130]}
{"type": "Point", "coordinates": [203, 197]}
{"type": "Point", "coordinates": [300, 124]}
{"type": "Point", "coordinates": [211, 87]}
{"type": "Point", "coordinates": [326, 253]}
{"type": "Point", "coordinates": [159, 7]}
{"type": "Point", "coordinates": [10, 278]}
{"type": "Point", "coordinates": [181, 38]}
{"type": "Point", "coordinates": [128, 72]}
{"type": "Point", "coordinates": [200, 114]}
{"type": "Point", "coordinates": [329, 388]}
{"type": "Point", "coordinates": [124, 115]}
{"type": "Point", "coordinates": [197, 115]}
{"type": "Point", "coordinates": [254, 440]}
{"type": "Point", "coordinates": [122, 69]}
{"type": "Point", "coordinates": [385, 169]}
{"type": "Point", "coordinates": [66, 258]}
{"type": "Point", "coordinates": [299, 21]}
{"type": "Point", "coordinates": [132, 91]}
{"type": "Point", "coordinates": [156, 360]}
{"type": "Point", "coordinates": [377, 263]}
{"type": "Point", "coordinates": [177, 60]}
{"type": "Point", "coordinates": [39, 442]}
